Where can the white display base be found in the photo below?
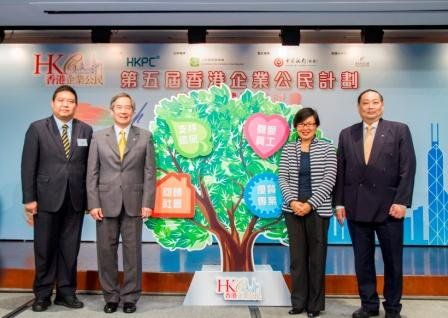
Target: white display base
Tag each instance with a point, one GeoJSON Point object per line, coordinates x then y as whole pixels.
{"type": "Point", "coordinates": [202, 288]}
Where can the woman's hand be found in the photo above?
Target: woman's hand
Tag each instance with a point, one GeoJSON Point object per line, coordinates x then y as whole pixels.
{"type": "Point", "coordinates": [301, 208]}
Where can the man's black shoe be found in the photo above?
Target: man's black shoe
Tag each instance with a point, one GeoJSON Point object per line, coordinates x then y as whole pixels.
{"type": "Point", "coordinates": [129, 308]}
{"type": "Point", "coordinates": [391, 314]}
{"type": "Point", "coordinates": [295, 311]}
{"type": "Point", "coordinates": [41, 304]}
{"type": "Point", "coordinates": [68, 301]}
{"type": "Point", "coordinates": [110, 308]}
{"type": "Point", "coordinates": [312, 314]}
{"type": "Point", "coordinates": [363, 313]}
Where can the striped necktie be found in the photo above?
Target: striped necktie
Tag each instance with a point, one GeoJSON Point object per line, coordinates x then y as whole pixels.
{"type": "Point", "coordinates": [65, 141]}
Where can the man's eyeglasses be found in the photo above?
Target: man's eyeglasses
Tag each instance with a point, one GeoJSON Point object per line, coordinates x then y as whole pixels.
{"type": "Point", "coordinates": [123, 107]}
{"type": "Point", "coordinates": [306, 125]}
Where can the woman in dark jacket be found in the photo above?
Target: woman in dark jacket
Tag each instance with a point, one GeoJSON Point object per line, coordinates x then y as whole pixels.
{"type": "Point", "coordinates": [307, 175]}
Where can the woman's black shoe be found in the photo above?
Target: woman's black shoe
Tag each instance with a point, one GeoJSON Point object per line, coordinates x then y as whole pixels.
{"type": "Point", "coordinates": [295, 311]}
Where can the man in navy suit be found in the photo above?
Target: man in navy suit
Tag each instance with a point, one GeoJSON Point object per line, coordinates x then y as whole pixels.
{"type": "Point", "coordinates": [54, 166]}
{"type": "Point", "coordinates": [375, 181]}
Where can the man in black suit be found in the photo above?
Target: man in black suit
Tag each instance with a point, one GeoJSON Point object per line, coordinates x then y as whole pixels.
{"type": "Point", "coordinates": [54, 165]}
{"type": "Point", "coordinates": [375, 181]}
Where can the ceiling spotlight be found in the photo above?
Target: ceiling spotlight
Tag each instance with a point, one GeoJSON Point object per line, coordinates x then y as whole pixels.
{"type": "Point", "coordinates": [197, 35]}
{"type": "Point", "coordinates": [372, 34]}
{"type": "Point", "coordinates": [101, 35]}
{"type": "Point", "coordinates": [290, 35]}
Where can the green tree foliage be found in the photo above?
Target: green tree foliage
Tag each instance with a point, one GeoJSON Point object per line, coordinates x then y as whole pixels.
{"type": "Point", "coordinates": [220, 177]}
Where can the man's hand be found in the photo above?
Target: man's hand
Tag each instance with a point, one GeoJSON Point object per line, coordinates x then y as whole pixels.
{"type": "Point", "coordinates": [146, 212]}
{"type": "Point", "coordinates": [340, 216]}
{"type": "Point", "coordinates": [397, 211]}
{"type": "Point", "coordinates": [30, 211]}
{"type": "Point", "coordinates": [96, 214]}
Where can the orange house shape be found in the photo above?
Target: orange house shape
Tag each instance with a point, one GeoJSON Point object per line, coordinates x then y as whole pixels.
{"type": "Point", "coordinates": [175, 196]}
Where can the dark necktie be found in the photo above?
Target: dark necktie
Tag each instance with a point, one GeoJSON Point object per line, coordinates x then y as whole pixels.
{"type": "Point", "coordinates": [65, 141]}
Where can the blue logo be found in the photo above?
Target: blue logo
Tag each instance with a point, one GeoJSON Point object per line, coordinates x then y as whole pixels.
{"type": "Point", "coordinates": [142, 61]}
{"type": "Point", "coordinates": [263, 196]}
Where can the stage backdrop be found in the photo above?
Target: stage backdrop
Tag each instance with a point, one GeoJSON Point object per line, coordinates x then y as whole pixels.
{"type": "Point", "coordinates": [218, 113]}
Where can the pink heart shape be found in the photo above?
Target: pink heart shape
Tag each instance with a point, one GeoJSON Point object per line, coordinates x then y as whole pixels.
{"type": "Point", "coordinates": [266, 134]}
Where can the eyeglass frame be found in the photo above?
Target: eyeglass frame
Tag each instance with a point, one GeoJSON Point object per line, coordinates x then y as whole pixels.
{"type": "Point", "coordinates": [306, 125]}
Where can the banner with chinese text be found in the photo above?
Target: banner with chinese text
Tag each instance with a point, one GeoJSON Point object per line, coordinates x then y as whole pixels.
{"type": "Point", "coordinates": [412, 79]}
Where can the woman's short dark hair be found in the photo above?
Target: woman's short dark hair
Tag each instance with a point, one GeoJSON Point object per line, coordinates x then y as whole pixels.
{"type": "Point", "coordinates": [369, 90]}
{"type": "Point", "coordinates": [303, 114]}
{"type": "Point", "coordinates": [65, 88]}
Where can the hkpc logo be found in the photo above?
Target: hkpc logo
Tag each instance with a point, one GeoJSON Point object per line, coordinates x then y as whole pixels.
{"type": "Point", "coordinates": [76, 69]}
{"type": "Point", "coordinates": [238, 288]}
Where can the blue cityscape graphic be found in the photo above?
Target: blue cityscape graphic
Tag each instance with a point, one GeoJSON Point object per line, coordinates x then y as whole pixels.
{"type": "Point", "coordinates": [417, 230]}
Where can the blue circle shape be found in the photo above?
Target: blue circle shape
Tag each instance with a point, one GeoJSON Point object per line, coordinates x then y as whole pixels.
{"type": "Point", "coordinates": [263, 196]}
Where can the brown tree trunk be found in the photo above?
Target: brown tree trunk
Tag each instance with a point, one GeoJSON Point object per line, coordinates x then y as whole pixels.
{"type": "Point", "coordinates": [236, 253]}
{"type": "Point", "coordinates": [235, 257]}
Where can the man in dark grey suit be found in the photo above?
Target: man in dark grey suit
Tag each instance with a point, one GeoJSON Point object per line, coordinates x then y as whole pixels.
{"type": "Point", "coordinates": [54, 163]}
{"type": "Point", "coordinates": [121, 191]}
{"type": "Point", "coordinates": [374, 186]}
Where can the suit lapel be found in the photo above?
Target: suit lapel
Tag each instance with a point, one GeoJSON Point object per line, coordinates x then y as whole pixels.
{"type": "Point", "coordinates": [74, 137]}
{"type": "Point", "coordinates": [357, 140]}
{"type": "Point", "coordinates": [134, 134]}
{"type": "Point", "coordinates": [111, 140]}
{"type": "Point", "coordinates": [53, 131]}
{"type": "Point", "coordinates": [378, 141]}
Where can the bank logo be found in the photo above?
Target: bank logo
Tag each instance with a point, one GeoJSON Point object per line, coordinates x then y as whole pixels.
{"type": "Point", "coordinates": [278, 62]}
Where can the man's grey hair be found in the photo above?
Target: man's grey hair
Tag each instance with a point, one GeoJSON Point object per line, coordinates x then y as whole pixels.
{"type": "Point", "coordinates": [122, 94]}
